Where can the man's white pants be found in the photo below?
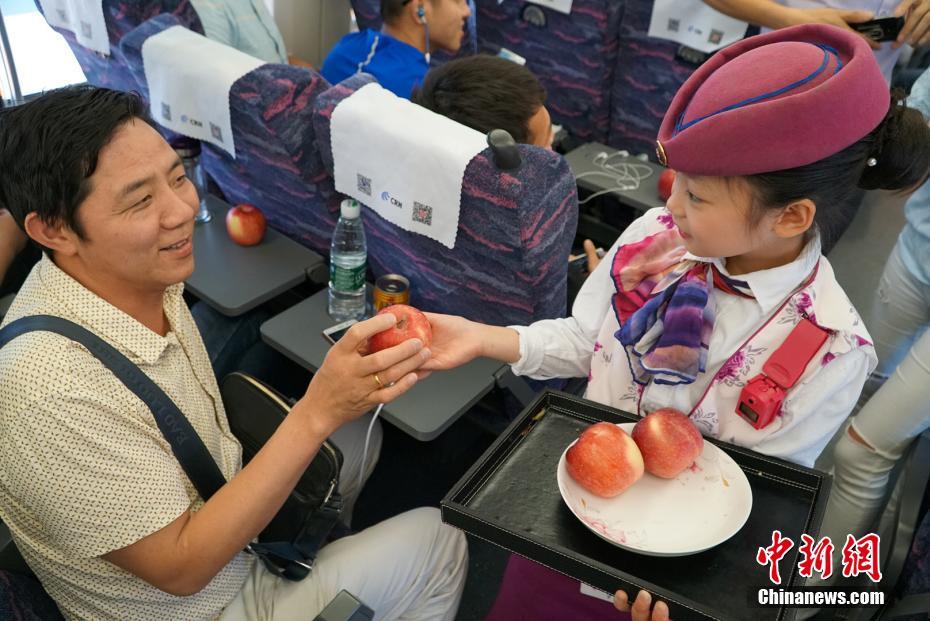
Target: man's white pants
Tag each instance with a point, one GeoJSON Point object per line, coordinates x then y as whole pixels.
{"type": "Point", "coordinates": [411, 566]}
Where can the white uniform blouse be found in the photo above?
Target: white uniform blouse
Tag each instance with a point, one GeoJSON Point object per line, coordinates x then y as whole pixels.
{"type": "Point", "coordinates": [810, 416]}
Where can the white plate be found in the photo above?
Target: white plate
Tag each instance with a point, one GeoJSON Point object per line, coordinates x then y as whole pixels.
{"type": "Point", "coordinates": [703, 507]}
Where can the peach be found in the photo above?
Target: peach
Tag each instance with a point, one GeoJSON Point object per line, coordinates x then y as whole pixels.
{"type": "Point", "coordinates": [668, 441]}
{"type": "Point", "coordinates": [605, 460]}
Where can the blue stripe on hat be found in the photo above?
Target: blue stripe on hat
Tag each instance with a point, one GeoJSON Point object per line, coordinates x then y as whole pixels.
{"type": "Point", "coordinates": [827, 52]}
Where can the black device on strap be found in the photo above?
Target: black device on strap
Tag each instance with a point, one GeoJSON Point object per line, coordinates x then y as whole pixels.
{"type": "Point", "coordinates": [289, 543]}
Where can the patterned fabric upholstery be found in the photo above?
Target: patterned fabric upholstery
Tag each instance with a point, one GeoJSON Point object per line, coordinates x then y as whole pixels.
{"type": "Point", "coordinates": [515, 231]}
{"type": "Point", "coordinates": [367, 13]}
{"type": "Point", "coordinates": [121, 16]}
{"type": "Point", "coordinates": [646, 77]}
{"type": "Point", "coordinates": [22, 598]}
{"type": "Point", "coordinates": [277, 167]}
{"type": "Point", "coordinates": [573, 56]}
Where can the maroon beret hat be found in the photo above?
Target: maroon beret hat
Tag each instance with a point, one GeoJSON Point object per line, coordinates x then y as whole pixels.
{"type": "Point", "coordinates": [775, 101]}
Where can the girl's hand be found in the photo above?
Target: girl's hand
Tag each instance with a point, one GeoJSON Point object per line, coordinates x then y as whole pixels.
{"type": "Point", "coordinates": [640, 608]}
{"type": "Point", "coordinates": [456, 341]}
{"type": "Point", "coordinates": [350, 383]}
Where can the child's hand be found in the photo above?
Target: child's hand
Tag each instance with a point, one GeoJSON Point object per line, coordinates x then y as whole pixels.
{"type": "Point", "coordinates": [456, 341]}
{"type": "Point", "coordinates": [640, 608]}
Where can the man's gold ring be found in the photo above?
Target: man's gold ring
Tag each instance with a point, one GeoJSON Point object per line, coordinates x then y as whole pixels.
{"type": "Point", "coordinates": [378, 380]}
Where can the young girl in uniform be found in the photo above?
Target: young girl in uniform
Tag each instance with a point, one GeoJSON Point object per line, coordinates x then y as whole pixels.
{"type": "Point", "coordinates": [770, 138]}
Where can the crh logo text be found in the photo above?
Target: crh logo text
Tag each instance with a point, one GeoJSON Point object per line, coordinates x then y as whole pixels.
{"type": "Point", "coordinates": [385, 196]}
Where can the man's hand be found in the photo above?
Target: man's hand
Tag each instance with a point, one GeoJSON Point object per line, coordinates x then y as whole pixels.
{"type": "Point", "coordinates": [916, 29]}
{"type": "Point", "coordinates": [349, 383]}
{"type": "Point", "coordinates": [640, 609]}
{"type": "Point", "coordinates": [834, 17]}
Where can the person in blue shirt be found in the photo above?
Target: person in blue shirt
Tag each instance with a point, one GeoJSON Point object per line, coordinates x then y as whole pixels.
{"type": "Point", "coordinates": [398, 55]}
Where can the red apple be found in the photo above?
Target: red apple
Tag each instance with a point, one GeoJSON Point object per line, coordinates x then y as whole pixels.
{"type": "Point", "coordinates": [669, 442]}
{"type": "Point", "coordinates": [605, 460]}
{"type": "Point", "coordinates": [411, 324]}
{"type": "Point", "coordinates": [664, 187]}
{"type": "Point", "coordinates": [245, 224]}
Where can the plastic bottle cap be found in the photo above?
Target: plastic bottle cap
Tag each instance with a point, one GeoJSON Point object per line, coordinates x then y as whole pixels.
{"type": "Point", "coordinates": [350, 209]}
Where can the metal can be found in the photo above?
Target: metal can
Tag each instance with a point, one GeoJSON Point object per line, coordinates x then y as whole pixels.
{"type": "Point", "coordinates": [391, 289]}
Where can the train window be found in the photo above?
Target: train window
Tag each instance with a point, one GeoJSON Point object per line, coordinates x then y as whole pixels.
{"type": "Point", "coordinates": [33, 57]}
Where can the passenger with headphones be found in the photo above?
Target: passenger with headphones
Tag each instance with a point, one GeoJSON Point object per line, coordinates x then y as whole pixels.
{"type": "Point", "coordinates": [399, 55]}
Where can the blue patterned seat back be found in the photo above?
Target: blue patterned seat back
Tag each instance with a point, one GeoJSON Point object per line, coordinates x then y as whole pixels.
{"type": "Point", "coordinates": [572, 55]}
{"type": "Point", "coordinates": [277, 166]}
{"type": "Point", "coordinates": [646, 78]}
{"type": "Point", "coordinates": [22, 598]}
{"type": "Point", "coordinates": [367, 14]}
{"type": "Point", "coordinates": [509, 264]}
{"type": "Point", "coordinates": [121, 16]}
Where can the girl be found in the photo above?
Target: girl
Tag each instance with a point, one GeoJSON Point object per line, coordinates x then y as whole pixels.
{"type": "Point", "coordinates": [770, 138]}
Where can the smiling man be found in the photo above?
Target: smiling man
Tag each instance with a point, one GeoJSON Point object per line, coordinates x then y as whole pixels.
{"type": "Point", "coordinates": [90, 489]}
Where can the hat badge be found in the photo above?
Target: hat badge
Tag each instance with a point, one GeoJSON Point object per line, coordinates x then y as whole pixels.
{"type": "Point", "coordinates": [660, 153]}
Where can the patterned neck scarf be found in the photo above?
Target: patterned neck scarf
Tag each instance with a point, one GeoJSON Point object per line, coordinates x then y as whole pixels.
{"type": "Point", "coordinates": [661, 304]}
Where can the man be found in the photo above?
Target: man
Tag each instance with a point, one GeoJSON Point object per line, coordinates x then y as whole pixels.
{"type": "Point", "coordinates": [398, 56]}
{"type": "Point", "coordinates": [487, 92]}
{"type": "Point", "coordinates": [96, 502]}
{"type": "Point", "coordinates": [776, 14]}
{"type": "Point", "coordinates": [246, 25]}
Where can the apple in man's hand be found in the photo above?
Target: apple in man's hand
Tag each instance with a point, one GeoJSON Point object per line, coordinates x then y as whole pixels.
{"type": "Point", "coordinates": [411, 324]}
{"type": "Point", "coordinates": [245, 224]}
{"type": "Point", "coordinates": [605, 460]}
{"type": "Point", "coordinates": [668, 441]}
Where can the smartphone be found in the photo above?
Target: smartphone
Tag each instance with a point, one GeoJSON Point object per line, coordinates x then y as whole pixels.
{"type": "Point", "coordinates": [883, 29]}
{"type": "Point", "coordinates": [345, 607]}
{"type": "Point", "coordinates": [336, 332]}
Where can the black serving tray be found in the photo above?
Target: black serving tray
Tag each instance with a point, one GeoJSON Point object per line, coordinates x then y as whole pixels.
{"type": "Point", "coordinates": [510, 498]}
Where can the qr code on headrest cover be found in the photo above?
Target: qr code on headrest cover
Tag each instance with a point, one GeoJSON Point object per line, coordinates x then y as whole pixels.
{"type": "Point", "coordinates": [422, 213]}
{"type": "Point", "coordinates": [364, 184]}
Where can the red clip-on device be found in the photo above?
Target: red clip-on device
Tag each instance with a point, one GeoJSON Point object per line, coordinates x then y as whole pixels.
{"type": "Point", "coordinates": [761, 399]}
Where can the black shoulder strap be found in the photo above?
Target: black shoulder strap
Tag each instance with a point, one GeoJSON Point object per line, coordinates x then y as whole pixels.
{"type": "Point", "coordinates": [187, 446]}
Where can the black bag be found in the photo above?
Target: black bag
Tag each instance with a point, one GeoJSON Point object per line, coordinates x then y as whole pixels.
{"type": "Point", "coordinates": [290, 542]}
{"type": "Point", "coordinates": [254, 411]}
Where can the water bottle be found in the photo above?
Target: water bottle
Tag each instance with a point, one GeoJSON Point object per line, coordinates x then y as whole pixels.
{"type": "Point", "coordinates": [347, 261]}
{"type": "Point", "coordinates": [189, 152]}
